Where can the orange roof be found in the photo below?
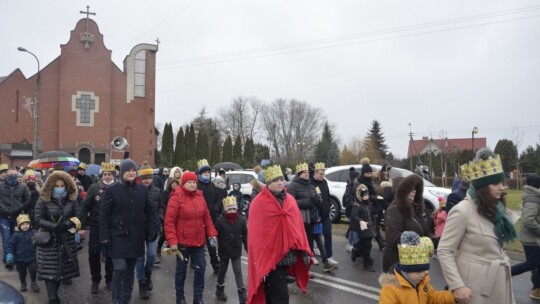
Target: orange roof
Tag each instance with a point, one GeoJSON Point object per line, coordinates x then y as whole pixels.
{"type": "Point", "coordinates": [446, 145]}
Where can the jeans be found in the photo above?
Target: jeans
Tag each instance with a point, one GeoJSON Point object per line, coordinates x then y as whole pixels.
{"type": "Point", "coordinates": [199, 263]}
{"type": "Point", "coordinates": [237, 269]}
{"type": "Point", "coordinates": [353, 237]}
{"type": "Point", "coordinates": [94, 257]}
{"type": "Point", "coordinates": [532, 262]}
{"type": "Point", "coordinates": [122, 283]}
{"type": "Point", "coordinates": [327, 232]}
{"type": "Point", "coordinates": [318, 238]}
{"type": "Point", "coordinates": [142, 268]}
{"type": "Point", "coordinates": [7, 226]}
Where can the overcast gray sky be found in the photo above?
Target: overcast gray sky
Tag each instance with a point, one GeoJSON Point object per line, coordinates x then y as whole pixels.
{"type": "Point", "coordinates": [443, 66]}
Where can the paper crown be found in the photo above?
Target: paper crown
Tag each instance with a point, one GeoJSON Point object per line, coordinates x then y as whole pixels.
{"type": "Point", "coordinates": [146, 171]}
{"type": "Point", "coordinates": [82, 166]}
{"type": "Point", "coordinates": [22, 218]}
{"type": "Point", "coordinates": [229, 203]}
{"type": "Point", "coordinates": [77, 223]}
{"type": "Point", "coordinates": [414, 252]}
{"type": "Point", "coordinates": [482, 168]}
{"type": "Point", "coordinates": [272, 173]}
{"type": "Point", "coordinates": [29, 173]}
{"type": "Point", "coordinates": [3, 167]}
{"type": "Point", "coordinates": [201, 163]}
{"type": "Point", "coordinates": [301, 167]}
{"type": "Point", "coordinates": [320, 166]}
{"type": "Point", "coordinates": [107, 167]}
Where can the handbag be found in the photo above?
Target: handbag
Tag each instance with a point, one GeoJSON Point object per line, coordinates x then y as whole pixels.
{"type": "Point", "coordinates": [43, 238]}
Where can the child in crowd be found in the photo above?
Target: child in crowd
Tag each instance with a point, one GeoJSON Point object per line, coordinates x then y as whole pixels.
{"type": "Point", "coordinates": [361, 225]}
{"type": "Point", "coordinates": [408, 281]}
{"type": "Point", "coordinates": [439, 219]}
{"type": "Point", "coordinates": [232, 233]}
{"type": "Point", "coordinates": [21, 251]}
{"type": "Point", "coordinates": [239, 197]}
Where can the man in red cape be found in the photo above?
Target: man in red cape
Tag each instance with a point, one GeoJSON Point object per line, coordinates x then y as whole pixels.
{"type": "Point", "coordinates": [277, 243]}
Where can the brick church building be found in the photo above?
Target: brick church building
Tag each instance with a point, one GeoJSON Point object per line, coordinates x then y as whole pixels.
{"type": "Point", "coordinates": [85, 102]}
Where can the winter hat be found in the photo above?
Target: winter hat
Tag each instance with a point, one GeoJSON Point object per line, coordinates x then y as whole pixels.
{"type": "Point", "coordinates": [485, 169]}
{"type": "Point", "coordinates": [533, 181]}
{"type": "Point", "coordinates": [229, 203]}
{"type": "Point", "coordinates": [365, 166]}
{"type": "Point", "coordinates": [22, 218]}
{"type": "Point", "coordinates": [386, 167]}
{"type": "Point", "coordinates": [126, 165]}
{"type": "Point", "coordinates": [187, 176]}
{"type": "Point", "coordinates": [145, 171]}
{"type": "Point", "coordinates": [203, 166]}
{"type": "Point", "coordinates": [414, 252]}
{"type": "Point", "coordinates": [353, 173]}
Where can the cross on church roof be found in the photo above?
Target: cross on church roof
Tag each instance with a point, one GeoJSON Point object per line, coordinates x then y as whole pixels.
{"type": "Point", "coordinates": [87, 13]}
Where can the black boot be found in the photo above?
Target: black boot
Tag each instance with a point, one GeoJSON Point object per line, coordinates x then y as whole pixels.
{"type": "Point", "coordinates": [149, 284]}
{"type": "Point", "coordinates": [143, 290]}
{"type": "Point", "coordinates": [220, 293]}
{"type": "Point", "coordinates": [94, 288]}
{"type": "Point", "coordinates": [242, 296]}
{"type": "Point", "coordinates": [368, 265]}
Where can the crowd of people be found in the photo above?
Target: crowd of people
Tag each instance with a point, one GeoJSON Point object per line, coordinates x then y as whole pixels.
{"type": "Point", "coordinates": [43, 217]}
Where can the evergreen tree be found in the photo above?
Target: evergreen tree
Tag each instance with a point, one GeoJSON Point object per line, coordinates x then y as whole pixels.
{"type": "Point", "coordinates": [327, 150]}
{"type": "Point", "coordinates": [180, 148]}
{"type": "Point", "coordinates": [202, 150]}
{"type": "Point", "coordinates": [249, 153]}
{"type": "Point", "coordinates": [227, 154]}
{"type": "Point", "coordinates": [376, 136]}
{"type": "Point", "coordinates": [530, 160]}
{"type": "Point", "coordinates": [508, 152]}
{"type": "Point", "coordinates": [167, 145]}
{"type": "Point", "coordinates": [261, 152]}
{"type": "Point", "coordinates": [190, 147]}
{"type": "Point", "coordinates": [237, 150]}
{"type": "Point", "coordinates": [215, 151]}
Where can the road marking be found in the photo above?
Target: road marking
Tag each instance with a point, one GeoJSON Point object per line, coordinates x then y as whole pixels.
{"type": "Point", "coordinates": [321, 277]}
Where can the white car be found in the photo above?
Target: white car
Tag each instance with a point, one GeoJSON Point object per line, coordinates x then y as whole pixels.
{"type": "Point", "coordinates": [244, 178]}
{"type": "Point", "coordinates": [337, 181]}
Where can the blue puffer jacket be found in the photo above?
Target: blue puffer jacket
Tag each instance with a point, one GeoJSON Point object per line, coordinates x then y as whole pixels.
{"type": "Point", "coordinates": [20, 245]}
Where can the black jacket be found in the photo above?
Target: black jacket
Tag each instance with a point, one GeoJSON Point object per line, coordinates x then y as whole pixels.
{"type": "Point", "coordinates": [20, 245]}
{"type": "Point", "coordinates": [85, 180]}
{"type": "Point", "coordinates": [13, 200]}
{"type": "Point", "coordinates": [212, 196]}
{"type": "Point", "coordinates": [361, 211]}
{"type": "Point", "coordinates": [123, 213]}
{"type": "Point", "coordinates": [305, 195]}
{"type": "Point", "coordinates": [89, 207]}
{"type": "Point", "coordinates": [231, 237]}
{"type": "Point", "coordinates": [325, 196]}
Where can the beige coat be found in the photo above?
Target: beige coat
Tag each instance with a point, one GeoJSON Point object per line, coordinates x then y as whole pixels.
{"type": "Point", "coordinates": [470, 255]}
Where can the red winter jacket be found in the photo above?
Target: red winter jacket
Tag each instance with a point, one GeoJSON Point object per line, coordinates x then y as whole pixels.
{"type": "Point", "coordinates": [187, 220]}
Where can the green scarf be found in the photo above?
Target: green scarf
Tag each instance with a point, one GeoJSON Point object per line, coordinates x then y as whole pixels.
{"type": "Point", "coordinates": [504, 230]}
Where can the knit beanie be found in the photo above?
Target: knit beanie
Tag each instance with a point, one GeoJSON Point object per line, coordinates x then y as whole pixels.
{"type": "Point", "coordinates": [126, 165]}
{"type": "Point", "coordinates": [187, 176]}
{"type": "Point", "coordinates": [386, 167]}
{"type": "Point", "coordinates": [533, 181]}
{"type": "Point", "coordinates": [414, 252]}
{"type": "Point", "coordinates": [145, 171]}
{"type": "Point", "coordinates": [353, 173]}
{"type": "Point", "coordinates": [365, 166]}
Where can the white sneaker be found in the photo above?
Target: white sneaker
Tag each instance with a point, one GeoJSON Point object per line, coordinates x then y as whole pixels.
{"type": "Point", "coordinates": [317, 252]}
{"type": "Point", "coordinates": [314, 260]}
{"type": "Point", "coordinates": [348, 247]}
{"type": "Point", "coordinates": [331, 261]}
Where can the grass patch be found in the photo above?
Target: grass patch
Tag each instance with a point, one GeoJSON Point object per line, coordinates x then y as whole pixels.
{"type": "Point", "coordinates": [513, 199]}
{"type": "Point", "coordinates": [515, 245]}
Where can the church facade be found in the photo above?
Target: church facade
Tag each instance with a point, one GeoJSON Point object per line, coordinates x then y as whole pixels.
{"type": "Point", "coordinates": [85, 102]}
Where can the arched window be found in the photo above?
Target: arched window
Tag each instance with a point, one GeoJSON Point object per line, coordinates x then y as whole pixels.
{"type": "Point", "coordinates": [140, 73]}
{"type": "Point", "coordinates": [84, 155]}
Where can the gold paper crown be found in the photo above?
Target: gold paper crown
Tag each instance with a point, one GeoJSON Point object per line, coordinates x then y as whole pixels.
{"type": "Point", "coordinates": [22, 218]}
{"type": "Point", "coordinates": [107, 167]}
{"type": "Point", "coordinates": [229, 202]}
{"type": "Point", "coordinates": [82, 166]}
{"type": "Point", "coordinates": [272, 173]}
{"type": "Point", "coordinates": [301, 167]}
{"type": "Point", "coordinates": [29, 173]}
{"type": "Point", "coordinates": [415, 255]}
{"type": "Point", "coordinates": [202, 162]}
{"type": "Point", "coordinates": [146, 169]}
{"type": "Point", "coordinates": [482, 168]}
{"type": "Point", "coordinates": [320, 166]}
{"type": "Point", "coordinates": [3, 167]}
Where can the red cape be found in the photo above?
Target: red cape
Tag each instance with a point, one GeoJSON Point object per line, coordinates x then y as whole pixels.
{"type": "Point", "coordinates": [273, 231]}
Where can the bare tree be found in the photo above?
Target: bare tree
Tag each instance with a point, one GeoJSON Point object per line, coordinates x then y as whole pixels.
{"type": "Point", "coordinates": [241, 117]}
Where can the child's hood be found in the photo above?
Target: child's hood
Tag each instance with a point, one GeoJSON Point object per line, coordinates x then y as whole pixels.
{"type": "Point", "coordinates": [388, 279]}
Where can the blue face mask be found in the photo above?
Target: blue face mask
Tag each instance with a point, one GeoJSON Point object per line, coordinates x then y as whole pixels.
{"type": "Point", "coordinates": [59, 190]}
{"type": "Point", "coordinates": [204, 179]}
{"type": "Point", "coordinates": [11, 180]}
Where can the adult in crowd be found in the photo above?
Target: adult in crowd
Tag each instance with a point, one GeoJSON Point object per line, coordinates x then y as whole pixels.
{"type": "Point", "coordinates": [161, 178]}
{"type": "Point", "coordinates": [165, 196]}
{"type": "Point", "coordinates": [145, 263]}
{"type": "Point", "coordinates": [277, 249]}
{"type": "Point", "coordinates": [3, 172]}
{"type": "Point", "coordinates": [56, 213]}
{"type": "Point", "coordinates": [457, 195]}
{"type": "Point", "coordinates": [175, 173]}
{"type": "Point", "coordinates": [212, 196]}
{"type": "Point", "coordinates": [14, 197]}
{"type": "Point", "coordinates": [318, 181]}
{"type": "Point", "coordinates": [474, 264]}
{"type": "Point", "coordinates": [348, 201]}
{"type": "Point", "coordinates": [188, 224]}
{"type": "Point", "coordinates": [35, 191]}
{"type": "Point", "coordinates": [405, 213]}
{"type": "Point", "coordinates": [89, 216]}
{"type": "Point", "coordinates": [81, 176]}
{"type": "Point", "coordinates": [529, 235]}
{"type": "Point", "coordinates": [125, 209]}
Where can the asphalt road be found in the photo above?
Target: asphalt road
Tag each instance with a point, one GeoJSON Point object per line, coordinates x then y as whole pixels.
{"type": "Point", "coordinates": [347, 284]}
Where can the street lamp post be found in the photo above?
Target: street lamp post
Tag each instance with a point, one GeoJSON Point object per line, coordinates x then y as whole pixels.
{"type": "Point", "coordinates": [474, 131]}
{"type": "Point", "coordinates": [36, 106]}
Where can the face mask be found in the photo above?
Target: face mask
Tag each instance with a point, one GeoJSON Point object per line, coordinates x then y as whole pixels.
{"type": "Point", "coordinates": [59, 190]}
{"type": "Point", "coordinates": [11, 180]}
{"type": "Point", "coordinates": [108, 183]}
{"type": "Point", "coordinates": [204, 179]}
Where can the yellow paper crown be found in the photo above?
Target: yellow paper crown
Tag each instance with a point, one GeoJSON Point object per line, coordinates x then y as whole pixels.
{"type": "Point", "coordinates": [301, 167]}
{"type": "Point", "coordinates": [22, 218]}
{"type": "Point", "coordinates": [3, 167]}
{"type": "Point", "coordinates": [29, 173]}
{"type": "Point", "coordinates": [416, 255]}
{"type": "Point", "coordinates": [82, 166]}
{"type": "Point", "coordinates": [272, 173]}
{"type": "Point", "coordinates": [482, 168]}
{"type": "Point", "coordinates": [201, 163]}
{"type": "Point", "coordinates": [107, 167]}
{"type": "Point", "coordinates": [320, 166]}
{"type": "Point", "coordinates": [229, 202]}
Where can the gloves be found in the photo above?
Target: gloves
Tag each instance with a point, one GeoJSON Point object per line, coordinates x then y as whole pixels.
{"type": "Point", "coordinates": [9, 258]}
{"type": "Point", "coordinates": [306, 258]}
{"type": "Point", "coordinates": [64, 226]}
{"type": "Point", "coordinates": [105, 243]}
{"type": "Point", "coordinates": [212, 242]}
{"type": "Point", "coordinates": [363, 225]}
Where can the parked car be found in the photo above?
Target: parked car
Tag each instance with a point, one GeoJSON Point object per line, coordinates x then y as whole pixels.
{"type": "Point", "coordinates": [337, 180]}
{"type": "Point", "coordinates": [244, 178]}
{"type": "Point", "coordinates": [10, 295]}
